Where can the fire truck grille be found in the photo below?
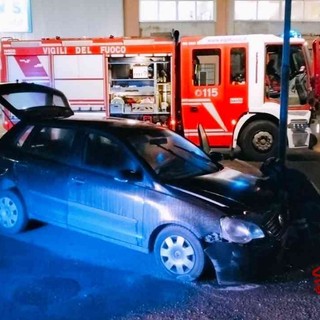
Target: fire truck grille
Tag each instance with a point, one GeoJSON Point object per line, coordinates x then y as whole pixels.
{"type": "Point", "coordinates": [274, 225]}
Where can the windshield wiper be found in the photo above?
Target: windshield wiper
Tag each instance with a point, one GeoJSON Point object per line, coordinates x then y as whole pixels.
{"type": "Point", "coordinates": [193, 153]}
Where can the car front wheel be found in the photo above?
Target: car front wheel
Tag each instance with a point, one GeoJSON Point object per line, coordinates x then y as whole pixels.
{"type": "Point", "coordinates": [13, 218]}
{"type": "Point", "coordinates": [179, 253]}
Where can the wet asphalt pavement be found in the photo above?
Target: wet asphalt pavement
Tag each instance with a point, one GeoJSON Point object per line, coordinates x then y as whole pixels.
{"type": "Point", "coordinates": [51, 273]}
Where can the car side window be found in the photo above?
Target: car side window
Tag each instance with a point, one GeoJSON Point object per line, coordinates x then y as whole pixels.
{"type": "Point", "coordinates": [24, 135]}
{"type": "Point", "coordinates": [106, 153]}
{"type": "Point", "coordinates": [52, 143]}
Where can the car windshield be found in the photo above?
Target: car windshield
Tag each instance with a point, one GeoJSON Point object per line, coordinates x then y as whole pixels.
{"type": "Point", "coordinates": [169, 155]}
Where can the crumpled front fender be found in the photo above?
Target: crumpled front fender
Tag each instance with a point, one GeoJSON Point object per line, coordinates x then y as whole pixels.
{"type": "Point", "coordinates": [236, 264]}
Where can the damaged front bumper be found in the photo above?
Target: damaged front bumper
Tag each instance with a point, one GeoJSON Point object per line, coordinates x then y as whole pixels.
{"type": "Point", "coordinates": [237, 264]}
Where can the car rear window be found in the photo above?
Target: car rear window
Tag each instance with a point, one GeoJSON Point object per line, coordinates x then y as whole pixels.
{"type": "Point", "coordinates": [26, 100]}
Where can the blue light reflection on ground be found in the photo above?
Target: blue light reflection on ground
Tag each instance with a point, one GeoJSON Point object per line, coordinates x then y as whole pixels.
{"type": "Point", "coordinates": [72, 276]}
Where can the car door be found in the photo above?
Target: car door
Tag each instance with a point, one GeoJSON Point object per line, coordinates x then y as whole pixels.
{"type": "Point", "coordinates": [102, 199]}
{"type": "Point", "coordinates": [43, 172]}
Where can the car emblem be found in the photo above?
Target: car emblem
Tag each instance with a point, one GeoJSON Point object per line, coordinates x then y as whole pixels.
{"type": "Point", "coordinates": [281, 219]}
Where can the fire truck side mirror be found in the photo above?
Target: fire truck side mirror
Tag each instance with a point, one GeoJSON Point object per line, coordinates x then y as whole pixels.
{"type": "Point", "coordinates": [204, 145]}
{"type": "Point", "coordinates": [203, 139]}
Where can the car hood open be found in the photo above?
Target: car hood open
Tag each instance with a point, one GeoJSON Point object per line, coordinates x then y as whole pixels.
{"type": "Point", "coordinates": [33, 101]}
{"type": "Point", "coordinates": [229, 188]}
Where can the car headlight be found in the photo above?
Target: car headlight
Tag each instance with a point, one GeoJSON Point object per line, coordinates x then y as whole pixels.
{"type": "Point", "coordinates": [239, 231]}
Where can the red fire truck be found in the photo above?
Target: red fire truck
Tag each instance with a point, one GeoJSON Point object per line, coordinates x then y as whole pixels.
{"type": "Point", "coordinates": [229, 84]}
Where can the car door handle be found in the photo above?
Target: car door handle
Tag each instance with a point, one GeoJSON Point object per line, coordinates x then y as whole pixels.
{"type": "Point", "coordinates": [22, 164]}
{"type": "Point", "coordinates": [77, 180]}
{"type": "Point", "coordinates": [120, 179]}
{"type": "Point", "coordinates": [3, 171]}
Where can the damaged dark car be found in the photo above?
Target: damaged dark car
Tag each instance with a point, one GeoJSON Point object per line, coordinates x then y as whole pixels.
{"type": "Point", "coordinates": [135, 184]}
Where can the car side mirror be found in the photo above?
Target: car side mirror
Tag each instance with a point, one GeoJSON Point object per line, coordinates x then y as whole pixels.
{"type": "Point", "coordinates": [128, 176]}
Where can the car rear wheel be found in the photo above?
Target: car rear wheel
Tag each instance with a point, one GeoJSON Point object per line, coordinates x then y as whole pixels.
{"type": "Point", "coordinates": [13, 218]}
{"type": "Point", "coordinates": [179, 253]}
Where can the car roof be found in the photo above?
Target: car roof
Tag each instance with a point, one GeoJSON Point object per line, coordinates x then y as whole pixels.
{"type": "Point", "coordinates": [120, 125]}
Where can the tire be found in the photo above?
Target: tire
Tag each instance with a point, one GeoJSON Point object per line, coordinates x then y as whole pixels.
{"type": "Point", "coordinates": [259, 140]}
{"type": "Point", "coordinates": [13, 218]}
{"type": "Point", "coordinates": [179, 253]}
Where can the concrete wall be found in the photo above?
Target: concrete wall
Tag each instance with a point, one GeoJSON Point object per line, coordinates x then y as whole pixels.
{"type": "Point", "coordinates": [247, 27]}
{"type": "Point", "coordinates": [185, 28]}
{"type": "Point", "coordinates": [225, 25]}
{"type": "Point", "coordinates": [131, 18]}
{"type": "Point", "coordinates": [74, 18]}
{"type": "Point", "coordinates": [99, 18]}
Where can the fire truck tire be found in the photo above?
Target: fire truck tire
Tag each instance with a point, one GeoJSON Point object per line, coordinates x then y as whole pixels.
{"type": "Point", "coordinates": [259, 140]}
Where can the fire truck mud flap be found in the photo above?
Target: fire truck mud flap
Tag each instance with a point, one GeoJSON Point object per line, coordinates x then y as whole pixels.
{"type": "Point", "coordinates": [236, 264]}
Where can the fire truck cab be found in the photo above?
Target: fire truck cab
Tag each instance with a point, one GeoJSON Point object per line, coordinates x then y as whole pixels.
{"type": "Point", "coordinates": [231, 85]}
{"type": "Point", "coordinates": [228, 84]}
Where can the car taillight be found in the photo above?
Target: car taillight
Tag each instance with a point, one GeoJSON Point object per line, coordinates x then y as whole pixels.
{"type": "Point", "coordinates": [7, 125]}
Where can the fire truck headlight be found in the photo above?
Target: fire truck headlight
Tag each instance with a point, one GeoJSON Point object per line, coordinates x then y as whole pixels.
{"type": "Point", "coordinates": [239, 231]}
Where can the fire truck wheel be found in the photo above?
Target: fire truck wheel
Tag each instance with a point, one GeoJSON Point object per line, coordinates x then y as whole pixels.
{"type": "Point", "coordinates": [179, 253]}
{"type": "Point", "coordinates": [259, 140]}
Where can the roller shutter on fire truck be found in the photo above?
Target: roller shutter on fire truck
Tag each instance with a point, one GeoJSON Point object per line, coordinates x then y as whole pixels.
{"type": "Point", "coordinates": [123, 77]}
{"type": "Point", "coordinates": [80, 77]}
